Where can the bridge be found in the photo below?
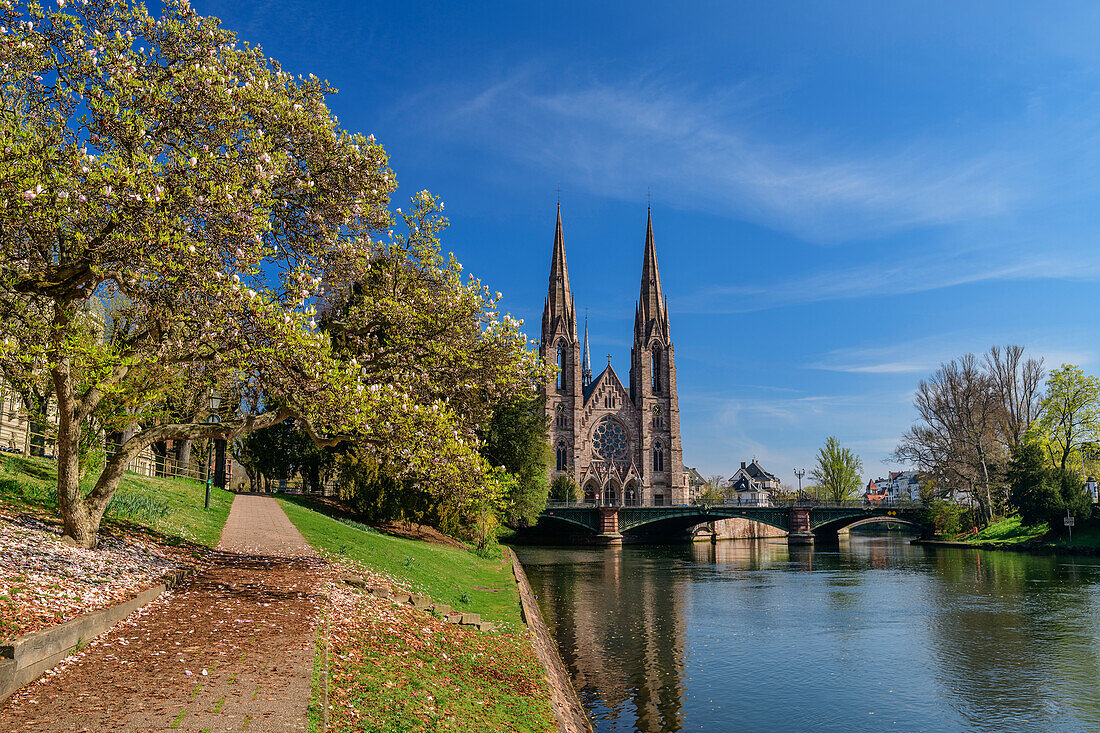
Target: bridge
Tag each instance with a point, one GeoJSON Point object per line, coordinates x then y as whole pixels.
{"type": "Point", "coordinates": [803, 523]}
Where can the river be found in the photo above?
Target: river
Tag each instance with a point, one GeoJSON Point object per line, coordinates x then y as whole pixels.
{"type": "Point", "coordinates": [872, 635]}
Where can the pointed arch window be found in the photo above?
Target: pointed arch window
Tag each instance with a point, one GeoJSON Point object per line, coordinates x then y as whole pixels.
{"type": "Point", "coordinates": [561, 366]}
{"type": "Point", "coordinates": [562, 456]}
{"type": "Point", "coordinates": [658, 457]}
{"type": "Point", "coordinates": [656, 369]}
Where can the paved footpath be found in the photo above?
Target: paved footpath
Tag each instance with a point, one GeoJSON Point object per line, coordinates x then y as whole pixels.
{"type": "Point", "coordinates": [230, 650]}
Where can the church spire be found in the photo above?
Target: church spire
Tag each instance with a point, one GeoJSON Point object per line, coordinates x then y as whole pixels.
{"type": "Point", "coordinates": [559, 298]}
{"type": "Point", "coordinates": [652, 311]}
{"type": "Point", "coordinates": [586, 364]}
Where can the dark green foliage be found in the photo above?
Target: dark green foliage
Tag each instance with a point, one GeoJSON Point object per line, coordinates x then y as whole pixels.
{"type": "Point", "coordinates": [563, 488]}
{"type": "Point", "coordinates": [1073, 499]}
{"type": "Point", "coordinates": [378, 496]}
{"type": "Point", "coordinates": [515, 438]}
{"type": "Point", "coordinates": [1041, 493]}
{"type": "Point", "coordinates": [1031, 489]}
{"type": "Point", "coordinates": [947, 519]}
{"type": "Point", "coordinates": [283, 451]}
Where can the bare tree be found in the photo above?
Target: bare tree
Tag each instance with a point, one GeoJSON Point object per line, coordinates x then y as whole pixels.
{"type": "Point", "coordinates": [956, 438]}
{"type": "Point", "coordinates": [1017, 383]}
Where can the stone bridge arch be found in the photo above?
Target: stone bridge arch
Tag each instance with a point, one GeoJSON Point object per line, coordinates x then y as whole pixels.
{"type": "Point", "coordinates": [834, 527]}
{"type": "Point", "coordinates": [611, 524]}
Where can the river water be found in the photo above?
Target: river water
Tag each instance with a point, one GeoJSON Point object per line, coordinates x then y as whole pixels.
{"type": "Point", "coordinates": [871, 635]}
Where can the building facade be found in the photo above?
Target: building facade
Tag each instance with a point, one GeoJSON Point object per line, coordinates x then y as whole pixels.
{"type": "Point", "coordinates": [621, 444]}
{"type": "Point", "coordinates": [752, 485]}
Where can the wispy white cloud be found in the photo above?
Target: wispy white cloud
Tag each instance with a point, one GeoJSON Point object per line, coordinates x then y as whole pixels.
{"type": "Point", "coordinates": [710, 151]}
{"type": "Point", "coordinates": [919, 274]}
{"type": "Point", "coordinates": [924, 355]}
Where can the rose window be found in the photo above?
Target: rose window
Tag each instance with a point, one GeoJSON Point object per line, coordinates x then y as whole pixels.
{"type": "Point", "coordinates": [610, 441]}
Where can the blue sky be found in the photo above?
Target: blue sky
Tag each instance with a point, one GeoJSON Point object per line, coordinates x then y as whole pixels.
{"type": "Point", "coordinates": [843, 196]}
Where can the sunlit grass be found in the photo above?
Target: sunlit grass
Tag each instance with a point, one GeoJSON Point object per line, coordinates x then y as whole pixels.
{"type": "Point", "coordinates": [450, 575]}
{"type": "Point", "coordinates": [172, 507]}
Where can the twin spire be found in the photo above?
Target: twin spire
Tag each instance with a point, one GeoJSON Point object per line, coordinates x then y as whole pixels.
{"type": "Point", "coordinates": [651, 317]}
{"type": "Point", "coordinates": [559, 299]}
{"type": "Point", "coordinates": [652, 314]}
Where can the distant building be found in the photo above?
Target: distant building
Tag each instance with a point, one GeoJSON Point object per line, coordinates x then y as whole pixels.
{"type": "Point", "coordinates": [752, 485]}
{"type": "Point", "coordinates": [697, 485]}
{"type": "Point", "coordinates": [900, 486]}
{"type": "Point", "coordinates": [874, 495]}
{"type": "Point", "coordinates": [1092, 489]}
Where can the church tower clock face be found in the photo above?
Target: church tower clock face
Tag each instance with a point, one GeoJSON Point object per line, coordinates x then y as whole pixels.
{"type": "Point", "coordinates": [609, 441]}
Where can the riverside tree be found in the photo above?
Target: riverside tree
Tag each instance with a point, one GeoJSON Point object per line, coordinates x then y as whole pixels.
{"type": "Point", "coordinates": [973, 413]}
{"type": "Point", "coordinates": [838, 473]}
{"type": "Point", "coordinates": [1070, 414]}
{"type": "Point", "coordinates": [211, 200]}
{"type": "Point", "coordinates": [413, 320]}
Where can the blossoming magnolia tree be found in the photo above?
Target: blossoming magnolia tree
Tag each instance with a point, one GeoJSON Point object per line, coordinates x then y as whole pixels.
{"type": "Point", "coordinates": [412, 323]}
{"type": "Point", "coordinates": [202, 202]}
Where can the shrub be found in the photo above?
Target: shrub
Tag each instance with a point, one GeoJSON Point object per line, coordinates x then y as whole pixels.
{"type": "Point", "coordinates": [563, 488]}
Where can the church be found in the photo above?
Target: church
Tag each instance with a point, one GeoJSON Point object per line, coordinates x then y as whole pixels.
{"type": "Point", "coordinates": [621, 445]}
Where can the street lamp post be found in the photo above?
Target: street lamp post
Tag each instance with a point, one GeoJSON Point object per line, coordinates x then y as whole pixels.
{"type": "Point", "coordinates": [800, 472]}
{"type": "Point", "coordinates": [215, 400]}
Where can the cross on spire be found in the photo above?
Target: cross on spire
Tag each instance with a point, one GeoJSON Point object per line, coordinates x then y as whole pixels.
{"type": "Point", "coordinates": [609, 359]}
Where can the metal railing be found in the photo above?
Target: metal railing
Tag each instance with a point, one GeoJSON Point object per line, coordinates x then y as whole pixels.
{"type": "Point", "coordinates": [782, 503]}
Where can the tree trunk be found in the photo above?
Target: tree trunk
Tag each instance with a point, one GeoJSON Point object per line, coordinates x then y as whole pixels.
{"type": "Point", "coordinates": [81, 521]}
{"type": "Point", "coordinates": [183, 457]}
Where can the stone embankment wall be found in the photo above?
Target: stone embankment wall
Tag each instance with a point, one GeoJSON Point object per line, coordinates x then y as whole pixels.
{"type": "Point", "coordinates": [736, 529]}
{"type": "Point", "coordinates": [567, 707]}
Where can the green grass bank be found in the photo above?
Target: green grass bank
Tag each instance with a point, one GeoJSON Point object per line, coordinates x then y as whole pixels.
{"type": "Point", "coordinates": [172, 508]}
{"type": "Point", "coordinates": [450, 575]}
{"type": "Point", "coordinates": [1010, 533]}
{"type": "Point", "coordinates": [395, 669]}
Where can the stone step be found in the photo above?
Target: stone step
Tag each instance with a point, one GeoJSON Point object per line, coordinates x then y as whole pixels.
{"type": "Point", "coordinates": [441, 609]}
{"type": "Point", "coordinates": [420, 602]}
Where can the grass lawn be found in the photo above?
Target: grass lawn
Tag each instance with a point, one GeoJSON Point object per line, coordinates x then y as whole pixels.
{"type": "Point", "coordinates": [170, 507]}
{"type": "Point", "coordinates": [416, 674]}
{"type": "Point", "coordinates": [1010, 531]}
{"type": "Point", "coordinates": [448, 575]}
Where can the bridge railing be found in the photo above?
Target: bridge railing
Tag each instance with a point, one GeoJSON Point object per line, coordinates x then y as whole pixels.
{"type": "Point", "coordinates": [786, 503]}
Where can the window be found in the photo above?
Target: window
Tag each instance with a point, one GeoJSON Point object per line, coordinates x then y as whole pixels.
{"type": "Point", "coordinates": [563, 458]}
{"type": "Point", "coordinates": [561, 367]}
{"type": "Point", "coordinates": [658, 457]}
{"type": "Point", "coordinates": [609, 441]}
{"type": "Point", "coordinates": [656, 370]}
{"type": "Point", "coordinates": [560, 420]}
{"type": "Point", "coordinates": [658, 419]}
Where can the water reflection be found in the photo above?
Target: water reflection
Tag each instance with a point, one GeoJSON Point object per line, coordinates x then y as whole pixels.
{"type": "Point", "coordinates": [870, 634]}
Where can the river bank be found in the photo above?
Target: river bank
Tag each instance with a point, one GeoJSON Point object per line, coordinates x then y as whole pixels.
{"type": "Point", "coordinates": [1010, 535]}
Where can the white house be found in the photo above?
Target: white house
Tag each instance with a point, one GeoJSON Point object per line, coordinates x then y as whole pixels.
{"type": "Point", "coordinates": [752, 485]}
{"type": "Point", "coordinates": [901, 486]}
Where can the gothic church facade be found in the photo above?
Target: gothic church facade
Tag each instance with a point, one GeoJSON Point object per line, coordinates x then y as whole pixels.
{"type": "Point", "coordinates": [620, 444]}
